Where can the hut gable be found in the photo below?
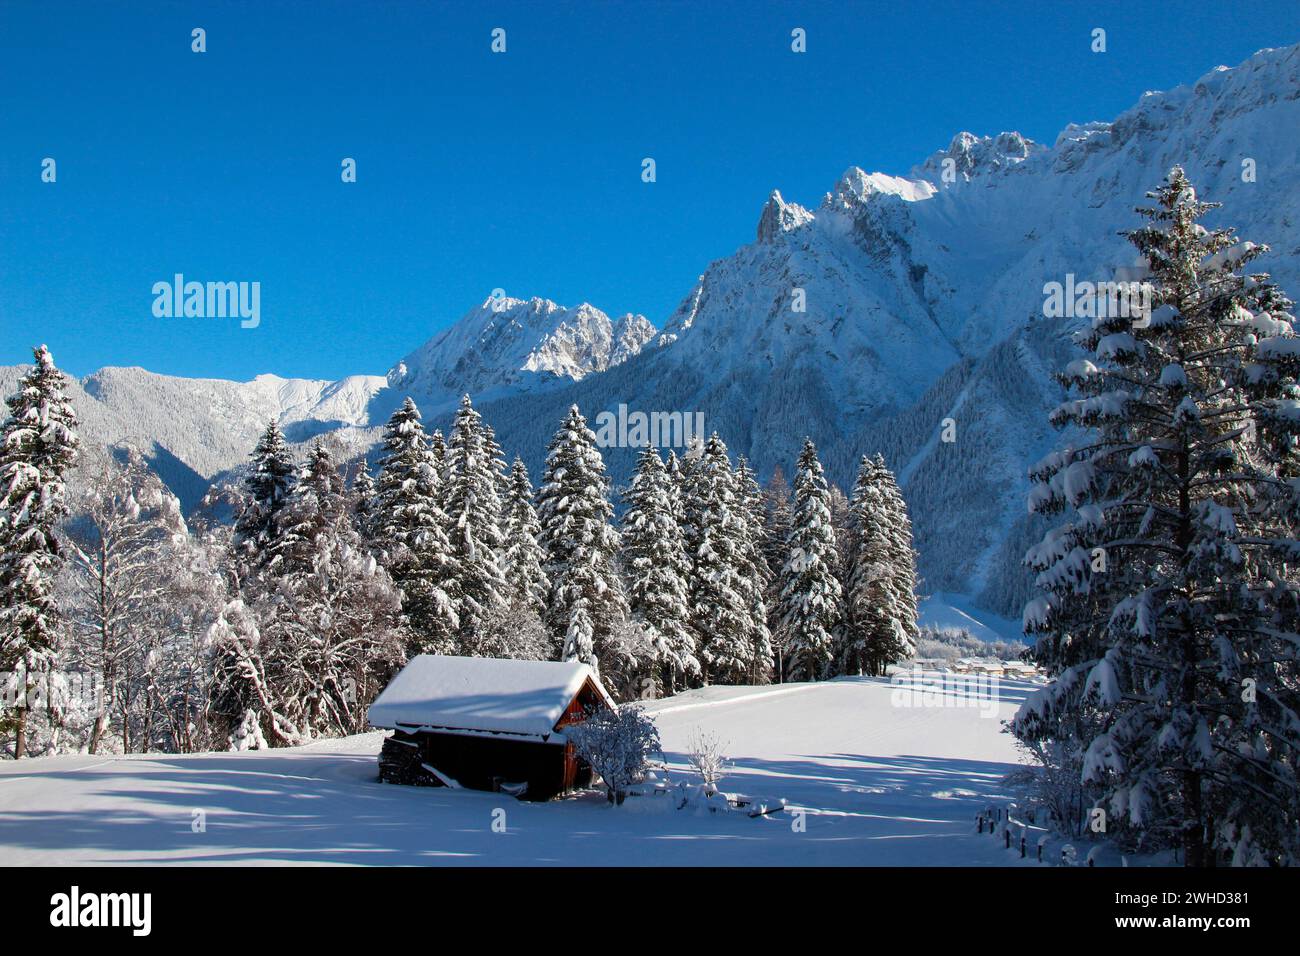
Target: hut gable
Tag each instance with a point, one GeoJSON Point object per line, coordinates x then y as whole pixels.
{"type": "Point", "coordinates": [486, 696]}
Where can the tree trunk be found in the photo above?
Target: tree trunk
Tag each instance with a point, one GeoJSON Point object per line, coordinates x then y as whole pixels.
{"type": "Point", "coordinates": [1193, 830]}
{"type": "Point", "coordinates": [97, 732]}
{"type": "Point", "coordinates": [20, 734]}
{"type": "Point", "coordinates": [1193, 809]}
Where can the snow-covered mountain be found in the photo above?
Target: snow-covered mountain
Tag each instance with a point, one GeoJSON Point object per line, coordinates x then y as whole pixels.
{"type": "Point", "coordinates": [508, 344]}
{"type": "Point", "coordinates": [194, 430]}
{"type": "Point", "coordinates": [191, 430]}
{"type": "Point", "coordinates": [922, 300]}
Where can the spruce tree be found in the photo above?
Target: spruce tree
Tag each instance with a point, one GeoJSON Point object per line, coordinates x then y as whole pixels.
{"type": "Point", "coordinates": [673, 476]}
{"type": "Point", "coordinates": [879, 623]}
{"type": "Point", "coordinates": [902, 563]}
{"type": "Point", "coordinates": [269, 484]}
{"type": "Point", "coordinates": [410, 533]}
{"type": "Point", "coordinates": [39, 449]}
{"type": "Point", "coordinates": [720, 597]}
{"type": "Point", "coordinates": [756, 574]}
{"type": "Point", "coordinates": [473, 522]}
{"type": "Point", "coordinates": [526, 582]}
{"type": "Point", "coordinates": [1168, 612]}
{"type": "Point", "coordinates": [777, 522]}
{"type": "Point", "coordinates": [810, 601]}
{"type": "Point", "coordinates": [587, 604]}
{"type": "Point", "coordinates": [440, 456]}
{"type": "Point", "coordinates": [315, 507]}
{"type": "Point", "coordinates": [497, 463]}
{"type": "Point", "coordinates": [332, 625]}
{"type": "Point", "coordinates": [362, 498]}
{"type": "Point", "coordinates": [656, 570]}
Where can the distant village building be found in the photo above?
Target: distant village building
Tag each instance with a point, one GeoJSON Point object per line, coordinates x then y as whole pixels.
{"type": "Point", "coordinates": [487, 724]}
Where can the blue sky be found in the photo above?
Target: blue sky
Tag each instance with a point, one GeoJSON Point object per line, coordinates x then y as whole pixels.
{"type": "Point", "coordinates": [477, 171]}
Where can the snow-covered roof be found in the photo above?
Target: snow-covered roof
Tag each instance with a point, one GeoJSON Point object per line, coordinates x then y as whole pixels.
{"type": "Point", "coordinates": [481, 695]}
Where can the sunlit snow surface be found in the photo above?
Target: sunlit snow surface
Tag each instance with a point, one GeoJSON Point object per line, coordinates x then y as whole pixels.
{"type": "Point", "coordinates": [879, 783]}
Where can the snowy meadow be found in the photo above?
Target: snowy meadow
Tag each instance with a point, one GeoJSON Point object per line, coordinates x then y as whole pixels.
{"type": "Point", "coordinates": [865, 783]}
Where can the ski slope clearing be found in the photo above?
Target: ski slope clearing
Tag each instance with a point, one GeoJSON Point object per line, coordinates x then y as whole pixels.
{"type": "Point", "coordinates": [959, 611]}
{"type": "Point", "coordinates": [879, 783]}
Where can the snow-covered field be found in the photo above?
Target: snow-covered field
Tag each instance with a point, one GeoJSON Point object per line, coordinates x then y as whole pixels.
{"type": "Point", "coordinates": [879, 784]}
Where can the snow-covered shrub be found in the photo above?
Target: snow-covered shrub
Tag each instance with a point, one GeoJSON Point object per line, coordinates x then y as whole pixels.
{"type": "Point", "coordinates": [706, 757]}
{"type": "Point", "coordinates": [618, 744]}
{"type": "Point", "coordinates": [248, 735]}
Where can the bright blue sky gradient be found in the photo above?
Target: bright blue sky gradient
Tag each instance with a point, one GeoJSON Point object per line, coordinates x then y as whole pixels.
{"type": "Point", "coordinates": [477, 170]}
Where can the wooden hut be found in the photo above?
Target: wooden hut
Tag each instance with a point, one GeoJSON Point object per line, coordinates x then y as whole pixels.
{"type": "Point", "coordinates": [486, 724]}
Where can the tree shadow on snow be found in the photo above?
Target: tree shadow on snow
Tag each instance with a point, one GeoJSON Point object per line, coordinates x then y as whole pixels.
{"type": "Point", "coordinates": [329, 808]}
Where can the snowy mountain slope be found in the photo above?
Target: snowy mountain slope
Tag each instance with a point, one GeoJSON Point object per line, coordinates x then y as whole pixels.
{"type": "Point", "coordinates": [1003, 229]}
{"type": "Point", "coordinates": [943, 611]}
{"type": "Point", "coordinates": [878, 784]}
{"type": "Point", "coordinates": [925, 301]}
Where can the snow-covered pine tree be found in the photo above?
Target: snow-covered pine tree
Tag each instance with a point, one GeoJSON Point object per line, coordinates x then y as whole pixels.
{"type": "Point", "coordinates": [720, 597]}
{"type": "Point", "coordinates": [756, 574]}
{"type": "Point", "coordinates": [1169, 606]}
{"type": "Point", "coordinates": [410, 534]}
{"type": "Point", "coordinates": [266, 490]}
{"type": "Point", "coordinates": [362, 501]}
{"type": "Point", "coordinates": [879, 623]}
{"type": "Point", "coordinates": [903, 569]}
{"type": "Point", "coordinates": [673, 475]}
{"type": "Point", "coordinates": [526, 583]}
{"type": "Point", "coordinates": [811, 597]}
{"type": "Point", "coordinates": [39, 448]}
{"type": "Point", "coordinates": [474, 522]}
{"type": "Point", "coordinates": [440, 455]}
{"type": "Point", "coordinates": [841, 521]}
{"type": "Point", "coordinates": [315, 507]}
{"type": "Point", "coordinates": [690, 458]}
{"type": "Point", "coordinates": [656, 571]}
{"type": "Point", "coordinates": [777, 523]}
{"type": "Point", "coordinates": [269, 483]}
{"type": "Point", "coordinates": [497, 462]}
{"type": "Point", "coordinates": [587, 599]}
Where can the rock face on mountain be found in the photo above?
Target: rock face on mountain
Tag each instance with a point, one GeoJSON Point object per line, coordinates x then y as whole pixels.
{"type": "Point", "coordinates": [865, 322]}
{"type": "Point", "coordinates": [509, 343]}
